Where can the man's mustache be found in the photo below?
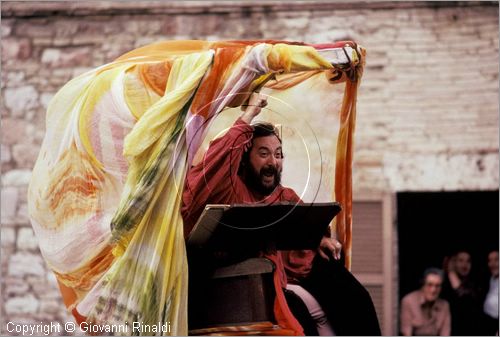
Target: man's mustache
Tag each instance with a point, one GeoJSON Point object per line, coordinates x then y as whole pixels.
{"type": "Point", "coordinates": [268, 170]}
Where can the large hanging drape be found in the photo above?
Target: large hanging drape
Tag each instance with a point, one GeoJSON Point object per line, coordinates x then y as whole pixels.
{"type": "Point", "coordinates": [105, 192]}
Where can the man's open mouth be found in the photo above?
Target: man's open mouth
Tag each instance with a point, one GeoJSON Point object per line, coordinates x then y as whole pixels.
{"type": "Point", "coordinates": [268, 175]}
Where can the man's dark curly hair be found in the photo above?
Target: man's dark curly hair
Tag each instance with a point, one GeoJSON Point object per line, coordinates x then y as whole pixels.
{"type": "Point", "coordinates": [264, 129]}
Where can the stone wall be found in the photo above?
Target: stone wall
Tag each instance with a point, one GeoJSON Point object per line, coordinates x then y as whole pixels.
{"type": "Point", "coordinates": [427, 109]}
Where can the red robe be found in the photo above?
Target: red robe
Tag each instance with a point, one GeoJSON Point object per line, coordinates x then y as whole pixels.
{"type": "Point", "coordinates": [215, 180]}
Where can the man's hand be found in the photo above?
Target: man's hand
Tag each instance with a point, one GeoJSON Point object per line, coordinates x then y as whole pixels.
{"type": "Point", "coordinates": [330, 247]}
{"type": "Point", "coordinates": [255, 103]}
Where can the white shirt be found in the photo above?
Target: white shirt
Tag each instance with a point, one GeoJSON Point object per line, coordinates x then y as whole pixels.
{"type": "Point", "coordinates": [491, 302]}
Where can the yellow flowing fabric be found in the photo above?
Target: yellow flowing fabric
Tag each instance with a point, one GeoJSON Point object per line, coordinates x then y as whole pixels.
{"type": "Point", "coordinates": [105, 192]}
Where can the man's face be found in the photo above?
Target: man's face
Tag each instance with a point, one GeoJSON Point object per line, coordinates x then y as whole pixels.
{"type": "Point", "coordinates": [462, 264]}
{"type": "Point", "coordinates": [266, 159]}
{"type": "Point", "coordinates": [493, 263]}
{"type": "Point", "coordinates": [432, 287]}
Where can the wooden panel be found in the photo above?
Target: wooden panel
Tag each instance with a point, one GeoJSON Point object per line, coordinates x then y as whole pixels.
{"type": "Point", "coordinates": [372, 254]}
{"type": "Point", "coordinates": [367, 245]}
{"type": "Point", "coordinates": [377, 294]}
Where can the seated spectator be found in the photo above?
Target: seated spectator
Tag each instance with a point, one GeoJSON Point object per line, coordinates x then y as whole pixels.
{"type": "Point", "coordinates": [422, 311]}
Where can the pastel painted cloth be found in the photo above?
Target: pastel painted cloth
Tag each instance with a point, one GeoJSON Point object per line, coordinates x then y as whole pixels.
{"type": "Point", "coordinates": [106, 189]}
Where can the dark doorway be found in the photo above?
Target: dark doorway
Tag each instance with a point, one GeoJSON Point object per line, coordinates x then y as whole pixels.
{"type": "Point", "coordinates": [432, 225]}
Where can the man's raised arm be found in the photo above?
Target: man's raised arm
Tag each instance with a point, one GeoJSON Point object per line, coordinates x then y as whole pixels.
{"type": "Point", "coordinates": [213, 180]}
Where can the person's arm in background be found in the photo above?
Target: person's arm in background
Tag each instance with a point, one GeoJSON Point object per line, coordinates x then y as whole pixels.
{"type": "Point", "coordinates": [455, 281]}
{"type": "Point", "coordinates": [405, 318]}
{"type": "Point", "coordinates": [445, 329]}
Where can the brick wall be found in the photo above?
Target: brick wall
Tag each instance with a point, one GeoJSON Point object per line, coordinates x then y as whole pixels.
{"type": "Point", "coordinates": [427, 109]}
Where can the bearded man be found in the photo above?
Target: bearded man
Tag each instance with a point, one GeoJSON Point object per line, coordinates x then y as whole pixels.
{"type": "Point", "coordinates": [244, 167]}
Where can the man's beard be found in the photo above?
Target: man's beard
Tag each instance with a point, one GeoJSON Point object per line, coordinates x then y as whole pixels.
{"type": "Point", "coordinates": [255, 179]}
